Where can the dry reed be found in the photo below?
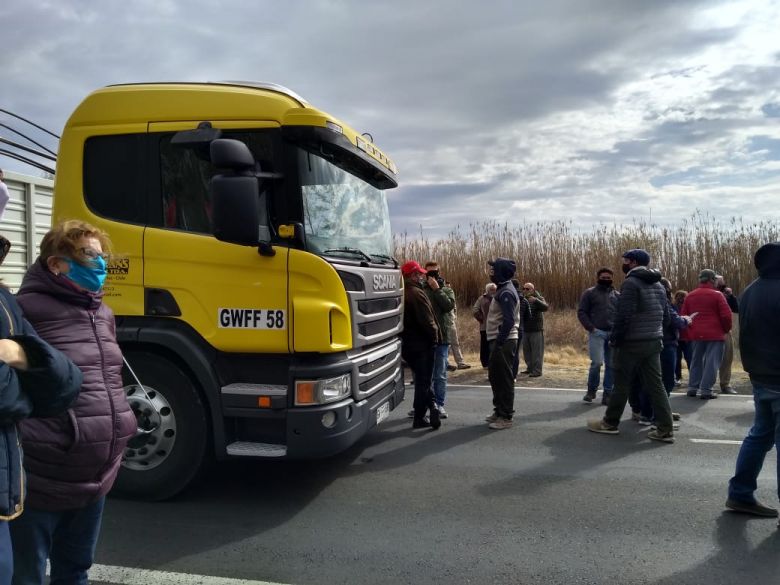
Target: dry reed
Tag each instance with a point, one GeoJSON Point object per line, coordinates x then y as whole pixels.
{"type": "Point", "coordinates": [561, 260]}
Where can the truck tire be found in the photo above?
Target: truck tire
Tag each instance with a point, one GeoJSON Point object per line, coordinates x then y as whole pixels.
{"type": "Point", "coordinates": [174, 433]}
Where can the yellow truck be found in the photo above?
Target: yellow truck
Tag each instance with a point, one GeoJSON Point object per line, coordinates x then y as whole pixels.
{"type": "Point", "coordinates": [258, 304]}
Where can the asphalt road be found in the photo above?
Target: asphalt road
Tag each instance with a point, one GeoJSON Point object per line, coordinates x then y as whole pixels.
{"type": "Point", "coordinates": [543, 502]}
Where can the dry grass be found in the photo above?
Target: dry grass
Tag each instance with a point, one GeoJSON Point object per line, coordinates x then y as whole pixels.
{"type": "Point", "coordinates": [561, 260]}
{"type": "Point", "coordinates": [565, 339]}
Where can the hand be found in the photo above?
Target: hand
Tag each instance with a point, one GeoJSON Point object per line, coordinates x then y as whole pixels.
{"type": "Point", "coordinates": [688, 319]}
{"type": "Point", "coordinates": [432, 283]}
{"type": "Point", "coordinates": [531, 299]}
{"type": "Point", "coordinates": [13, 354]}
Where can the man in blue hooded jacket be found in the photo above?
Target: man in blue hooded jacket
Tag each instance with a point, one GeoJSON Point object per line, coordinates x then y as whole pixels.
{"type": "Point", "coordinates": [503, 325]}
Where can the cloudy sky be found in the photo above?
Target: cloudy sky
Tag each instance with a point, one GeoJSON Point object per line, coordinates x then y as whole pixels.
{"type": "Point", "coordinates": [589, 110]}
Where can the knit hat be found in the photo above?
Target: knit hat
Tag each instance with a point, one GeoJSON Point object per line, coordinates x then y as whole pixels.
{"type": "Point", "coordinates": [412, 267]}
{"type": "Point", "coordinates": [707, 275]}
{"type": "Point", "coordinates": [638, 255]}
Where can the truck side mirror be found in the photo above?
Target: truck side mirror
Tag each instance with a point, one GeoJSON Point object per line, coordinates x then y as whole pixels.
{"type": "Point", "coordinates": [239, 213]}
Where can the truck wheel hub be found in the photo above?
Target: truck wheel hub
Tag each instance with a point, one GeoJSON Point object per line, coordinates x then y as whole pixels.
{"type": "Point", "coordinates": [156, 429]}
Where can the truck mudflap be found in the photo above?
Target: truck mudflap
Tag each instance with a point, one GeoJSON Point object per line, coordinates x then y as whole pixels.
{"type": "Point", "coordinates": [309, 436]}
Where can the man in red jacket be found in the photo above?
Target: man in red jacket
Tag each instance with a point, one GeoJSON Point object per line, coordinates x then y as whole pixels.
{"type": "Point", "coordinates": [711, 321]}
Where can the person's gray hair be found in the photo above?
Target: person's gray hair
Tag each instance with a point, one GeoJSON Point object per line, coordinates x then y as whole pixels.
{"type": "Point", "coordinates": [490, 286]}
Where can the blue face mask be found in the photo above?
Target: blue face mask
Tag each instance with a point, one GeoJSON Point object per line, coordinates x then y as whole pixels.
{"type": "Point", "coordinates": [91, 278]}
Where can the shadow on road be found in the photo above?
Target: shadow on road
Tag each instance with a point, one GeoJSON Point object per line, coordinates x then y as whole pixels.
{"type": "Point", "coordinates": [735, 560]}
{"type": "Point", "coordinates": [569, 460]}
{"type": "Point", "coordinates": [247, 498]}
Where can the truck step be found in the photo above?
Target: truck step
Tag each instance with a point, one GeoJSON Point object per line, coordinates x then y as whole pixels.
{"type": "Point", "coordinates": [246, 449]}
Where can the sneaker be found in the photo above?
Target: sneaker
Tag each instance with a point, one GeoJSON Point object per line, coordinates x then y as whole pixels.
{"type": "Point", "coordinates": [754, 508]}
{"type": "Point", "coordinates": [691, 393]}
{"type": "Point", "coordinates": [588, 397]}
{"type": "Point", "coordinates": [678, 382]}
{"type": "Point", "coordinates": [728, 390]}
{"type": "Point", "coordinates": [635, 416]}
{"type": "Point", "coordinates": [410, 414]}
{"type": "Point", "coordinates": [599, 426]}
{"type": "Point", "coordinates": [663, 438]}
{"type": "Point", "coordinates": [644, 421]}
{"type": "Point", "coordinates": [676, 416]}
{"type": "Point", "coordinates": [443, 413]}
{"type": "Point", "coordinates": [421, 423]}
{"type": "Point", "coordinates": [435, 418]}
{"type": "Point", "coordinates": [463, 366]}
{"type": "Point", "coordinates": [451, 368]}
{"type": "Point", "coordinates": [500, 424]}
{"type": "Point", "coordinates": [526, 372]}
{"type": "Point", "coordinates": [534, 375]}
{"type": "Point", "coordinates": [708, 396]}
{"type": "Point", "coordinates": [675, 427]}
{"type": "Point", "coordinates": [492, 418]}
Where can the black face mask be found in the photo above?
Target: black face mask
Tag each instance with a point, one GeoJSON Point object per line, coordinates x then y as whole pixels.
{"type": "Point", "coordinates": [607, 282]}
{"type": "Point", "coordinates": [625, 268]}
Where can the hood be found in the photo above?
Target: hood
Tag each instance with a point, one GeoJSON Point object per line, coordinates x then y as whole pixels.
{"type": "Point", "coordinates": [503, 269]}
{"type": "Point", "coordinates": [767, 260]}
{"type": "Point", "coordinates": [649, 275]}
{"type": "Point", "coordinates": [39, 279]}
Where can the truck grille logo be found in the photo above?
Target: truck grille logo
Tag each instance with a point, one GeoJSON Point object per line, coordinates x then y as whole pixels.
{"type": "Point", "coordinates": [385, 282]}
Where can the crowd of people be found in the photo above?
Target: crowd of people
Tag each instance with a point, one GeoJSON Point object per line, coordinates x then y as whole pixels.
{"type": "Point", "coordinates": [639, 334]}
{"type": "Point", "coordinates": [62, 401]}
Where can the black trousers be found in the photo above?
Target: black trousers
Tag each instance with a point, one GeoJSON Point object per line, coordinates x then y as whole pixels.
{"type": "Point", "coordinates": [502, 382]}
{"type": "Point", "coordinates": [484, 349]}
{"type": "Point", "coordinates": [421, 363]}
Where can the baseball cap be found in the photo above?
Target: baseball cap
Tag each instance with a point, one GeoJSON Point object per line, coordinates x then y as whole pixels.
{"type": "Point", "coordinates": [639, 256]}
{"type": "Point", "coordinates": [412, 267]}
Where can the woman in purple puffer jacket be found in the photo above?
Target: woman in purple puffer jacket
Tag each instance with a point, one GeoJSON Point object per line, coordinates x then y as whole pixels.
{"type": "Point", "coordinates": [71, 460]}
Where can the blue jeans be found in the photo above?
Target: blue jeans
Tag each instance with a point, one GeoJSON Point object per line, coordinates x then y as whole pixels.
{"type": "Point", "coordinates": [705, 363]}
{"type": "Point", "coordinates": [762, 436]}
{"type": "Point", "coordinates": [6, 556]}
{"type": "Point", "coordinates": [440, 354]}
{"type": "Point", "coordinates": [67, 538]}
{"type": "Point", "coordinates": [599, 353]}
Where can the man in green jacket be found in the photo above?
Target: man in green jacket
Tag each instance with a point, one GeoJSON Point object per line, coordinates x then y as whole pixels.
{"type": "Point", "coordinates": [442, 299]}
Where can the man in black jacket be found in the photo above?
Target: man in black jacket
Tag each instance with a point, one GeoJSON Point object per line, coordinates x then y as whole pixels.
{"type": "Point", "coordinates": [759, 343]}
{"type": "Point", "coordinates": [418, 340]}
{"type": "Point", "coordinates": [641, 313]}
{"type": "Point", "coordinates": [595, 314]}
{"type": "Point", "coordinates": [724, 373]}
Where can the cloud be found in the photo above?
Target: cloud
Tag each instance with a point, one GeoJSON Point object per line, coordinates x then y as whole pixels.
{"type": "Point", "coordinates": [583, 109]}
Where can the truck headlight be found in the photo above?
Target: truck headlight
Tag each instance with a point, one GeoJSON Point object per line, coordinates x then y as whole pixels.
{"type": "Point", "coordinates": [309, 392]}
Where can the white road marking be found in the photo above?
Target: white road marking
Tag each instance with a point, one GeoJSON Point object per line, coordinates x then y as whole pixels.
{"type": "Point", "coordinates": [582, 390]}
{"type": "Point", "coordinates": [131, 576]}
{"type": "Point", "coordinates": [716, 441]}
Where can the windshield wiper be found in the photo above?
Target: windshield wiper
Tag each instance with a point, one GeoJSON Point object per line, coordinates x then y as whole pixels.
{"type": "Point", "coordinates": [347, 250]}
{"type": "Point", "coordinates": [386, 257]}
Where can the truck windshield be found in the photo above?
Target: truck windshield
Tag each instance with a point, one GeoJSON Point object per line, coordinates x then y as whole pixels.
{"type": "Point", "coordinates": [343, 215]}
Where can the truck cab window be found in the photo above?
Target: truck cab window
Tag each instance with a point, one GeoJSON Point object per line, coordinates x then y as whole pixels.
{"type": "Point", "coordinates": [115, 176]}
{"type": "Point", "coordinates": [185, 176]}
{"type": "Point", "coordinates": [185, 193]}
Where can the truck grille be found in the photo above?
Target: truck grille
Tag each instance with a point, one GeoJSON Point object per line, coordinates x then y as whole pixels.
{"type": "Point", "coordinates": [377, 367]}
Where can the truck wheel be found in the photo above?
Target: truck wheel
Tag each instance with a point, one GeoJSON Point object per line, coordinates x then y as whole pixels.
{"type": "Point", "coordinates": [173, 431]}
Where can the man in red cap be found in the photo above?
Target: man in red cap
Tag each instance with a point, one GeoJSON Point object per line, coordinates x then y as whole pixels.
{"type": "Point", "coordinates": [419, 338]}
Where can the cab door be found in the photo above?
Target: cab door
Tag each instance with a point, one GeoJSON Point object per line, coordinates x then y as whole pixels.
{"type": "Point", "coordinates": [235, 298]}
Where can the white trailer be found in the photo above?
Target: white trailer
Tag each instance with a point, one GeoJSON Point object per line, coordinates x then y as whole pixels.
{"type": "Point", "coordinates": [27, 218]}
